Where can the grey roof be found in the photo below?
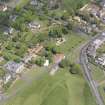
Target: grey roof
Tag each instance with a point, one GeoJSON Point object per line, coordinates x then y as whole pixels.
{"type": "Point", "coordinates": [12, 66]}
{"type": "Point", "coordinates": [34, 2]}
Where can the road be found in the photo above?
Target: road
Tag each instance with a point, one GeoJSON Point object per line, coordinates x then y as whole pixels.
{"type": "Point", "coordinates": [87, 72]}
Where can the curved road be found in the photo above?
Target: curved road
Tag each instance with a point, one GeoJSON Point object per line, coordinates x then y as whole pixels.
{"type": "Point", "coordinates": [87, 72]}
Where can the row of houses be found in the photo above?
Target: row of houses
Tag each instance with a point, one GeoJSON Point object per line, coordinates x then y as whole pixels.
{"type": "Point", "coordinates": [101, 60]}
{"type": "Point", "coordinates": [91, 50]}
{"type": "Point", "coordinates": [13, 68]}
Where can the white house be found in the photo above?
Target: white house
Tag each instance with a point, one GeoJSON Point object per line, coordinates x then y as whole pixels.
{"type": "Point", "coordinates": [46, 64]}
{"type": "Point", "coordinates": [34, 25]}
{"type": "Point", "coordinates": [97, 43]}
{"type": "Point", "coordinates": [101, 60]}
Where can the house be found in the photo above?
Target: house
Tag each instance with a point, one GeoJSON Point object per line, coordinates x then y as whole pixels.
{"type": "Point", "coordinates": [27, 58]}
{"type": "Point", "coordinates": [13, 17]}
{"type": "Point", "coordinates": [96, 43]}
{"type": "Point", "coordinates": [91, 51]}
{"type": "Point", "coordinates": [32, 52]}
{"type": "Point", "coordinates": [58, 58]}
{"type": "Point", "coordinates": [101, 60]}
{"type": "Point", "coordinates": [34, 25]}
{"type": "Point", "coordinates": [3, 7]}
{"type": "Point", "coordinates": [8, 30]}
{"type": "Point", "coordinates": [35, 50]}
{"type": "Point", "coordinates": [34, 2]}
{"type": "Point", "coordinates": [14, 67]}
{"type": "Point", "coordinates": [46, 64]}
{"type": "Point", "coordinates": [7, 78]}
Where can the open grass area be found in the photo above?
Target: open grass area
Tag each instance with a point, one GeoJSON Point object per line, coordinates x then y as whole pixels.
{"type": "Point", "coordinates": [60, 89]}
{"type": "Point", "coordinates": [37, 87]}
{"type": "Point", "coordinates": [98, 73]}
{"type": "Point", "coordinates": [102, 91]}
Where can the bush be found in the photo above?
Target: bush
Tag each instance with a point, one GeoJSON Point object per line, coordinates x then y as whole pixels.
{"type": "Point", "coordinates": [64, 63]}
{"type": "Point", "coordinates": [39, 61]}
{"type": "Point", "coordinates": [74, 69]}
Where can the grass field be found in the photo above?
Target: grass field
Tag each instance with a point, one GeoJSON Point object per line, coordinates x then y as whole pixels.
{"type": "Point", "coordinates": [97, 73]}
{"type": "Point", "coordinates": [37, 87]}
{"type": "Point", "coordinates": [61, 89]}
{"type": "Point", "coordinates": [102, 91]}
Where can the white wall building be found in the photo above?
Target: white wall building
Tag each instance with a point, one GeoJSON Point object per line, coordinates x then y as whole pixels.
{"type": "Point", "coordinates": [101, 60]}
{"type": "Point", "coordinates": [46, 64]}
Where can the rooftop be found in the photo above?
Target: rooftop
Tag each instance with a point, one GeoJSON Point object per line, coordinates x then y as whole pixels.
{"type": "Point", "coordinates": [12, 66]}
{"type": "Point", "coordinates": [58, 58]}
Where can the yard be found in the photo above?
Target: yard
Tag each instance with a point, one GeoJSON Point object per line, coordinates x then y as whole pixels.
{"type": "Point", "coordinates": [44, 91]}
{"type": "Point", "coordinates": [102, 91]}
{"type": "Point", "coordinates": [98, 73]}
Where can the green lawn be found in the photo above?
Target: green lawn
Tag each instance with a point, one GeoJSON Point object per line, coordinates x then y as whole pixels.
{"type": "Point", "coordinates": [61, 89]}
{"type": "Point", "coordinates": [97, 73]}
{"type": "Point", "coordinates": [102, 91]}
{"type": "Point", "coordinates": [72, 41]}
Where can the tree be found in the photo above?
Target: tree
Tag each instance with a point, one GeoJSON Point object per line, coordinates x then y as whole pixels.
{"type": "Point", "coordinates": [65, 16]}
{"type": "Point", "coordinates": [39, 61]}
{"type": "Point", "coordinates": [4, 18]}
{"type": "Point", "coordinates": [74, 68]}
{"type": "Point", "coordinates": [55, 32]}
{"type": "Point", "coordinates": [55, 50]}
